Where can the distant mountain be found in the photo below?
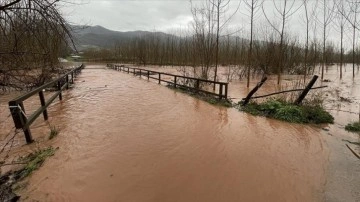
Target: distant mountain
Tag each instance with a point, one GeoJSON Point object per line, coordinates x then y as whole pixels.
{"type": "Point", "coordinates": [100, 37]}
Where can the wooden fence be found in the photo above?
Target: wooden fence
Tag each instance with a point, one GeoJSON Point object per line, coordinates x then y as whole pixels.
{"type": "Point", "coordinates": [17, 109]}
{"type": "Point", "coordinates": [298, 101]}
{"type": "Point", "coordinates": [190, 82]}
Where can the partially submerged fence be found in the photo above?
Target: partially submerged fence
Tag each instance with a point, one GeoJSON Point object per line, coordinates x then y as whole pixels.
{"type": "Point", "coordinates": [298, 101]}
{"type": "Point", "coordinates": [196, 87]}
{"type": "Point", "coordinates": [17, 109]}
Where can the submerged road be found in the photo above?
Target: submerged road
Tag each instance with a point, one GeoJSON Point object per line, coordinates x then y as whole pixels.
{"type": "Point", "coordinates": [124, 139]}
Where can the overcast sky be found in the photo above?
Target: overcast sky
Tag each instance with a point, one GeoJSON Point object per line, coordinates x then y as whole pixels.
{"type": "Point", "coordinates": [130, 15]}
{"type": "Point", "coordinates": [168, 15]}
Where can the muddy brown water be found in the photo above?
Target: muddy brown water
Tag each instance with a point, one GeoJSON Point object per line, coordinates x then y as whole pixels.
{"type": "Point", "coordinates": [124, 139]}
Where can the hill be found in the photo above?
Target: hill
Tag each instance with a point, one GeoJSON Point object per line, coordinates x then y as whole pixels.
{"type": "Point", "coordinates": [100, 37]}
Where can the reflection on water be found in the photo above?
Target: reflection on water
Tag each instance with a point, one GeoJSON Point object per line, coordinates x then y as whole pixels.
{"type": "Point", "coordinates": [123, 139]}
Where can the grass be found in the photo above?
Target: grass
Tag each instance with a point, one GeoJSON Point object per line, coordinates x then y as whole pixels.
{"type": "Point", "coordinates": [285, 111]}
{"type": "Point", "coordinates": [202, 96]}
{"type": "Point", "coordinates": [12, 181]}
{"type": "Point", "coordinates": [353, 127]}
{"type": "Point", "coordinates": [34, 161]}
{"type": "Point", "coordinates": [53, 132]}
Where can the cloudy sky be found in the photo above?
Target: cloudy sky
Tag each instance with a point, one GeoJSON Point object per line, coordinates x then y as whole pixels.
{"type": "Point", "coordinates": [170, 15]}
{"type": "Point", "coordinates": [129, 15]}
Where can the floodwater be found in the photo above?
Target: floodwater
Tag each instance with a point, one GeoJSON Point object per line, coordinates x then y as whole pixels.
{"type": "Point", "coordinates": [122, 138]}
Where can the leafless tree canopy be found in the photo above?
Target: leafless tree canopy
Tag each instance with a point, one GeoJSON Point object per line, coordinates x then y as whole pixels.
{"type": "Point", "coordinates": [33, 34]}
{"type": "Point", "coordinates": [269, 47]}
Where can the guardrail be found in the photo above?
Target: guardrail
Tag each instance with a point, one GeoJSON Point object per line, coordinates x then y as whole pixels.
{"type": "Point", "coordinates": [17, 108]}
{"type": "Point", "coordinates": [222, 86]}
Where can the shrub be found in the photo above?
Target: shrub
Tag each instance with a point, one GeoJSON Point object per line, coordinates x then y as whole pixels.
{"type": "Point", "coordinates": [282, 110]}
{"type": "Point", "coordinates": [271, 106]}
{"type": "Point", "coordinates": [317, 114]}
{"type": "Point", "coordinates": [290, 113]}
{"type": "Point", "coordinates": [353, 127]}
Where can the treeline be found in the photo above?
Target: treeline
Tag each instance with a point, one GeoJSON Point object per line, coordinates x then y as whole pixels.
{"type": "Point", "coordinates": [33, 35]}
{"type": "Point", "coordinates": [269, 48]}
{"type": "Point", "coordinates": [157, 49]}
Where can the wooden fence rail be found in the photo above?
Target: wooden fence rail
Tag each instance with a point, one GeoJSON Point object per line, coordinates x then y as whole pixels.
{"type": "Point", "coordinates": [17, 109]}
{"type": "Point", "coordinates": [222, 86]}
{"type": "Point", "coordinates": [298, 101]}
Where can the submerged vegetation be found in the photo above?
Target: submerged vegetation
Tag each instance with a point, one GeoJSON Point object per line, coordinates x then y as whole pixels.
{"type": "Point", "coordinates": [282, 110]}
{"type": "Point", "coordinates": [53, 132]}
{"type": "Point", "coordinates": [34, 161]}
{"type": "Point", "coordinates": [12, 180]}
{"type": "Point", "coordinates": [353, 127]}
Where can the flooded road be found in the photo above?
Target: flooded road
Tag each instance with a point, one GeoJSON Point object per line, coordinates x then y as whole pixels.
{"type": "Point", "coordinates": [123, 139]}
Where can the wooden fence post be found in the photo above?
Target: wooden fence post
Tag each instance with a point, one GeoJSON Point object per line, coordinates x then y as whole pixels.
{"type": "Point", "coordinates": [197, 85]}
{"type": "Point", "coordinates": [148, 74]}
{"type": "Point", "coordinates": [67, 82]}
{"type": "Point", "coordinates": [253, 91]}
{"type": "Point", "coordinates": [159, 78]}
{"type": "Point", "coordinates": [59, 88]}
{"type": "Point", "coordinates": [220, 90]}
{"type": "Point", "coordinates": [226, 90]}
{"type": "Point", "coordinates": [20, 119]}
{"type": "Point", "coordinates": [175, 81]}
{"type": "Point", "coordinates": [306, 90]}
{"type": "Point", "coordinates": [42, 101]}
{"type": "Point", "coordinates": [28, 135]}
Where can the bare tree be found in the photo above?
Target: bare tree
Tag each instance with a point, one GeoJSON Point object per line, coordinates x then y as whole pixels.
{"type": "Point", "coordinates": [209, 22]}
{"type": "Point", "coordinates": [221, 7]}
{"type": "Point", "coordinates": [309, 14]}
{"type": "Point", "coordinates": [340, 22]}
{"type": "Point", "coordinates": [253, 6]}
{"type": "Point", "coordinates": [353, 20]}
{"type": "Point", "coordinates": [284, 9]}
{"type": "Point", "coordinates": [328, 8]}
{"type": "Point", "coordinates": [33, 33]}
{"type": "Point", "coordinates": [204, 26]}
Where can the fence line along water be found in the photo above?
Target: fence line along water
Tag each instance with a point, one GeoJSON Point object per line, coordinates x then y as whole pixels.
{"type": "Point", "coordinates": [222, 86]}
{"type": "Point", "coordinates": [17, 108]}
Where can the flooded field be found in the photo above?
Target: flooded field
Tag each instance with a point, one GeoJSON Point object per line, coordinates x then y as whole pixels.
{"type": "Point", "coordinates": [122, 138]}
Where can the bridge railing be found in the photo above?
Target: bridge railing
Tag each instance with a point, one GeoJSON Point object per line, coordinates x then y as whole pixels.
{"type": "Point", "coordinates": [17, 109]}
{"type": "Point", "coordinates": [222, 92]}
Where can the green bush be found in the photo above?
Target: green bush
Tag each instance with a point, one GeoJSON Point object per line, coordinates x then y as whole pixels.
{"type": "Point", "coordinates": [290, 113]}
{"type": "Point", "coordinates": [279, 109]}
{"type": "Point", "coordinates": [353, 127]}
{"type": "Point", "coordinates": [271, 106]}
{"type": "Point", "coordinates": [317, 114]}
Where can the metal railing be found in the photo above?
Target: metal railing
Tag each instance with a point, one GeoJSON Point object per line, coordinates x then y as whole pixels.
{"type": "Point", "coordinates": [17, 109]}
{"type": "Point", "coordinates": [222, 86]}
